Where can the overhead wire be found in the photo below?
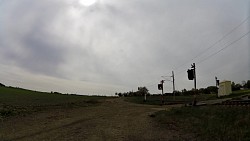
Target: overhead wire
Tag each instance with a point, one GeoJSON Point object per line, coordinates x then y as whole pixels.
{"type": "Point", "coordinates": [220, 49]}
{"type": "Point", "coordinates": [222, 38]}
{"type": "Point", "coordinates": [213, 45]}
{"type": "Point", "coordinates": [224, 47]}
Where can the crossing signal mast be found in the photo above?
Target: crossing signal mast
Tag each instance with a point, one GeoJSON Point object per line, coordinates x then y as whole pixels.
{"type": "Point", "coordinates": [160, 87]}
{"type": "Point", "coordinates": [192, 76]}
{"type": "Point", "coordinates": [217, 83]}
{"type": "Point", "coordinates": [173, 84]}
{"type": "Point", "coordinates": [173, 80]}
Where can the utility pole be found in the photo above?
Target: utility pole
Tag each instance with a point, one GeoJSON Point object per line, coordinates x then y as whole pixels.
{"type": "Point", "coordinates": [162, 81]}
{"type": "Point", "coordinates": [192, 76]}
{"type": "Point", "coordinates": [173, 84]}
{"type": "Point", "coordinates": [173, 80]}
{"type": "Point", "coordinates": [217, 82]}
{"type": "Point", "coordinates": [160, 87]}
{"type": "Point", "coordinates": [193, 67]}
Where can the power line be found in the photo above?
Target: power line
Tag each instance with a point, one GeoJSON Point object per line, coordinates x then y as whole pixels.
{"type": "Point", "coordinates": [218, 41]}
{"type": "Point", "coordinates": [155, 84]}
{"type": "Point", "coordinates": [221, 38]}
{"type": "Point", "coordinates": [224, 47]}
{"type": "Point", "coordinates": [213, 45]}
{"type": "Point", "coordinates": [219, 50]}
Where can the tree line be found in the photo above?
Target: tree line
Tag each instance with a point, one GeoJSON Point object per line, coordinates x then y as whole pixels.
{"type": "Point", "coordinates": [209, 90]}
{"type": "Point", "coordinates": [140, 92]}
{"type": "Point", "coordinates": [243, 85]}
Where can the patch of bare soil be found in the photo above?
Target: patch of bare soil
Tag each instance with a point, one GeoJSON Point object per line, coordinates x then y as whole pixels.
{"type": "Point", "coordinates": [114, 119]}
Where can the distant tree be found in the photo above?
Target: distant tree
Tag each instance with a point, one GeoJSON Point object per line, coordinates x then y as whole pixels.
{"type": "Point", "coordinates": [142, 91]}
{"type": "Point", "coordinates": [56, 93]}
{"type": "Point", "coordinates": [244, 84]}
{"type": "Point", "coordinates": [119, 94]}
{"type": "Point", "coordinates": [184, 90]}
{"type": "Point", "coordinates": [212, 89]}
{"type": "Point", "coordinates": [238, 86]}
{"type": "Point", "coordinates": [248, 84]}
{"type": "Point", "coordinates": [235, 87]}
{"type": "Point", "coordinates": [203, 91]}
{"type": "Point", "coordinates": [130, 93]}
{"type": "Point", "coordinates": [177, 93]}
{"type": "Point", "coordinates": [2, 85]}
{"type": "Point", "coordinates": [188, 92]}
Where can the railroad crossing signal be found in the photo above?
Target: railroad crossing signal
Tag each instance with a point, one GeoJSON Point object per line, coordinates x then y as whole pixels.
{"type": "Point", "coordinates": [190, 74]}
{"type": "Point", "coordinates": [160, 86]}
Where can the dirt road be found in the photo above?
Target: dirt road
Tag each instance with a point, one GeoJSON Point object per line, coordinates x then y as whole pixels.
{"type": "Point", "coordinates": [114, 119]}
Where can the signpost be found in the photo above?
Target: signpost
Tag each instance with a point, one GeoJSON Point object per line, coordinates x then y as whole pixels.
{"type": "Point", "coordinates": [192, 76]}
{"type": "Point", "coordinates": [160, 87]}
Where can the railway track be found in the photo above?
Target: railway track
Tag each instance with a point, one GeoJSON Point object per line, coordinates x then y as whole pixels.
{"type": "Point", "coordinates": [236, 103]}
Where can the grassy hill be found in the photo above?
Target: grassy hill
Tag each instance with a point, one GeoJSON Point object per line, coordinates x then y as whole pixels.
{"type": "Point", "coordinates": [220, 123]}
{"type": "Point", "coordinates": [20, 101]}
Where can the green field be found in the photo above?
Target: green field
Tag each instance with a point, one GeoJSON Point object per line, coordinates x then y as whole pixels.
{"type": "Point", "coordinates": [236, 94]}
{"type": "Point", "coordinates": [208, 123]}
{"type": "Point", "coordinates": [186, 123]}
{"type": "Point", "coordinates": [15, 101]}
{"type": "Point", "coordinates": [156, 100]}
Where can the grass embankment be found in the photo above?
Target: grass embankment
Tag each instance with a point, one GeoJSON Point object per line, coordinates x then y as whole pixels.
{"type": "Point", "coordinates": [156, 100]}
{"type": "Point", "coordinates": [15, 101]}
{"type": "Point", "coordinates": [236, 94]}
{"type": "Point", "coordinates": [208, 123]}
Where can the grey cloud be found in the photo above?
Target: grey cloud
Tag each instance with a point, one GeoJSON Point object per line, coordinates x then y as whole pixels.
{"type": "Point", "coordinates": [40, 52]}
{"type": "Point", "coordinates": [129, 43]}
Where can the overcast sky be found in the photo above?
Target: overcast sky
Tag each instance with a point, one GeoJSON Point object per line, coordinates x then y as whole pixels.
{"type": "Point", "coordinates": [117, 45]}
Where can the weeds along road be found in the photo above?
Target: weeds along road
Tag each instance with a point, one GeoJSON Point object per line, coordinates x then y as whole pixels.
{"type": "Point", "coordinates": [114, 119]}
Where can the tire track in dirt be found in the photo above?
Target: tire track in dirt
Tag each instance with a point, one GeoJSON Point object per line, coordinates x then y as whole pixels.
{"type": "Point", "coordinates": [114, 119]}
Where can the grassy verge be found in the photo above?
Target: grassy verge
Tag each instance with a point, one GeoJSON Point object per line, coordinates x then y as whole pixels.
{"type": "Point", "coordinates": [236, 94]}
{"type": "Point", "coordinates": [156, 100]}
{"type": "Point", "coordinates": [14, 101]}
{"type": "Point", "coordinates": [208, 122]}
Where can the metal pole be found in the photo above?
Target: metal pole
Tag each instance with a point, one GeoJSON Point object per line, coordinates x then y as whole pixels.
{"type": "Point", "coordinates": [216, 81]}
{"type": "Point", "coordinates": [173, 84]}
{"type": "Point", "coordinates": [162, 99]}
{"type": "Point", "coordinates": [216, 84]}
{"type": "Point", "coordinates": [193, 66]}
{"type": "Point", "coordinates": [194, 77]}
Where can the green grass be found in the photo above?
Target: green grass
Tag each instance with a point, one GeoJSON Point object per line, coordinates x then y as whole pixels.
{"type": "Point", "coordinates": [208, 122]}
{"type": "Point", "coordinates": [156, 100]}
{"type": "Point", "coordinates": [238, 93]}
{"type": "Point", "coordinates": [15, 101]}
